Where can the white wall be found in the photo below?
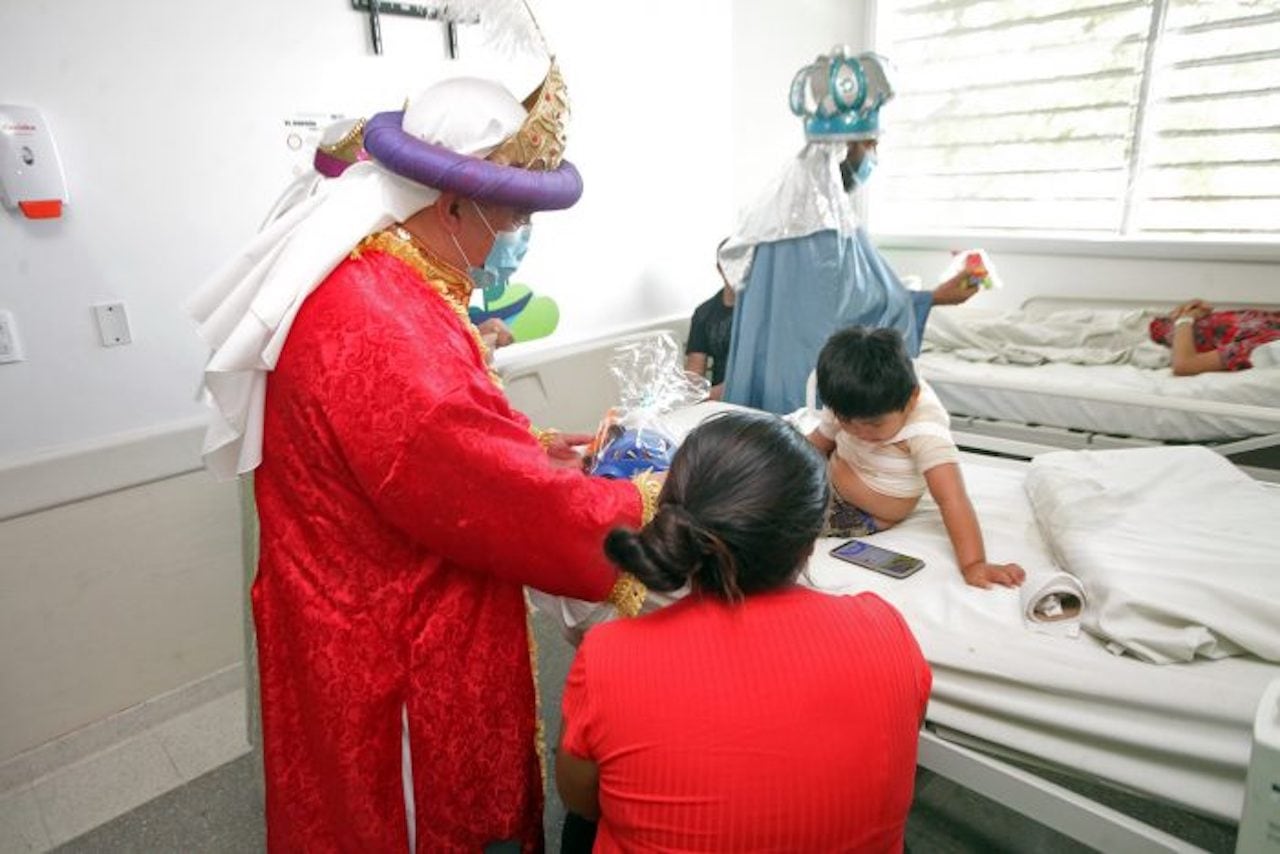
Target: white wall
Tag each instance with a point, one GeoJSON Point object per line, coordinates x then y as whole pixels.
{"type": "Point", "coordinates": [107, 603]}
{"type": "Point", "coordinates": [170, 125]}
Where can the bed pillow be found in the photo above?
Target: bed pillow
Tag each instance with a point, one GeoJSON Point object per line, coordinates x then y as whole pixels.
{"type": "Point", "coordinates": [1177, 549]}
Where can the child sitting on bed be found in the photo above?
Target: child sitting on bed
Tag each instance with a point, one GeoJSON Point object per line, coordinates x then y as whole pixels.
{"type": "Point", "coordinates": [891, 439]}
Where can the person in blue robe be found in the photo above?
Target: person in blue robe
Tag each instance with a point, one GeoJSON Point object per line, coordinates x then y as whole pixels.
{"type": "Point", "coordinates": [801, 262]}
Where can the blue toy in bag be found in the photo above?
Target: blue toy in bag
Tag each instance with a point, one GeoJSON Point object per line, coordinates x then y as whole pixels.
{"type": "Point", "coordinates": [652, 382]}
{"type": "Point", "coordinates": [633, 451]}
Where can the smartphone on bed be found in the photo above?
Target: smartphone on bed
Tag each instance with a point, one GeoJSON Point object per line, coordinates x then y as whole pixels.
{"type": "Point", "coordinates": [892, 564]}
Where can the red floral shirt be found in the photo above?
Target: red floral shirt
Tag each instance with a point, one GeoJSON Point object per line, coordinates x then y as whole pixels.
{"type": "Point", "coordinates": [1234, 334]}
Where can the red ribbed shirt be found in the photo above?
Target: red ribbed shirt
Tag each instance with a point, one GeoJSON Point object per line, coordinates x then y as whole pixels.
{"type": "Point", "coordinates": [785, 723]}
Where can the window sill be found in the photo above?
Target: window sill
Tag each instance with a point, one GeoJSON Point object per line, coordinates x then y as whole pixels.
{"type": "Point", "coordinates": [1172, 249]}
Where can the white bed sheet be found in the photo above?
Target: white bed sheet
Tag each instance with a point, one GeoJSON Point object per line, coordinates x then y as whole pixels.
{"type": "Point", "coordinates": [1180, 732]}
{"type": "Point", "coordinates": [1055, 394]}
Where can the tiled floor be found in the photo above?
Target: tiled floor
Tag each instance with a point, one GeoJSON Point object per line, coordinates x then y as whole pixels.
{"type": "Point", "coordinates": [124, 800]}
{"type": "Point", "coordinates": [98, 789]}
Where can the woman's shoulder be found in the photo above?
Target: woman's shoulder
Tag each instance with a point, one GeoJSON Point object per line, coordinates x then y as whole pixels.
{"type": "Point", "coordinates": [861, 612]}
{"type": "Point", "coordinates": [872, 606]}
{"type": "Point", "coordinates": [865, 614]}
{"type": "Point", "coordinates": [701, 614]}
{"type": "Point", "coordinates": [864, 603]}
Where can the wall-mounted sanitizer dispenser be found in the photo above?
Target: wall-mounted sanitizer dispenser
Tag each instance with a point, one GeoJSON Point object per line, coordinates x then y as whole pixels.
{"type": "Point", "coordinates": [30, 172]}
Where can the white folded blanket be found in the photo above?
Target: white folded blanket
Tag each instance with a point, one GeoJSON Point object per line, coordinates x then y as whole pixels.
{"type": "Point", "coordinates": [1176, 549]}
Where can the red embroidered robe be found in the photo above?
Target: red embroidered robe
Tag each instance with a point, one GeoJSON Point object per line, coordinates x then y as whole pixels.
{"type": "Point", "coordinates": [403, 504]}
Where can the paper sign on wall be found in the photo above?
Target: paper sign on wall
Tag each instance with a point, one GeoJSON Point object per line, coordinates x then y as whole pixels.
{"type": "Point", "coordinates": [302, 134]}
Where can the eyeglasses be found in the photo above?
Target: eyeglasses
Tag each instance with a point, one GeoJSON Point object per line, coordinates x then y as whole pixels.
{"type": "Point", "coordinates": [519, 219]}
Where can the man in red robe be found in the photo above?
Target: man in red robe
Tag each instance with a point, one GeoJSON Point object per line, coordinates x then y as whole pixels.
{"type": "Point", "coordinates": [403, 503]}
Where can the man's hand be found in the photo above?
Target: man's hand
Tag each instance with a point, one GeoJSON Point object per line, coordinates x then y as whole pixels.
{"type": "Point", "coordinates": [562, 448]}
{"type": "Point", "coordinates": [495, 333]}
{"type": "Point", "coordinates": [983, 574]}
{"type": "Point", "coordinates": [954, 290]}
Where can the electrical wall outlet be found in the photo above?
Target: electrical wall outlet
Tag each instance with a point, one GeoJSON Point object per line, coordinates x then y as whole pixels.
{"type": "Point", "coordinates": [113, 324]}
{"type": "Point", "coordinates": [10, 344]}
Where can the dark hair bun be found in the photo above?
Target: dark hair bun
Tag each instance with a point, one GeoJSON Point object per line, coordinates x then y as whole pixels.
{"type": "Point", "coordinates": [738, 514]}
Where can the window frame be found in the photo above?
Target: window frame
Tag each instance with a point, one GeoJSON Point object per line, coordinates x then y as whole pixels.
{"type": "Point", "coordinates": [1182, 248]}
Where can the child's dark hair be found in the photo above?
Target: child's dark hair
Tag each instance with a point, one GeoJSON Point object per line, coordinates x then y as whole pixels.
{"type": "Point", "coordinates": [738, 514]}
{"type": "Point", "coordinates": [865, 373]}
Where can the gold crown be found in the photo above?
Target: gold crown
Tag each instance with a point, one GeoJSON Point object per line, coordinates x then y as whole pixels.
{"type": "Point", "coordinates": [539, 143]}
{"type": "Point", "coordinates": [348, 147]}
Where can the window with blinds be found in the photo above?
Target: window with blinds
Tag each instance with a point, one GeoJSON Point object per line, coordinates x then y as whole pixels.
{"type": "Point", "coordinates": [1140, 118]}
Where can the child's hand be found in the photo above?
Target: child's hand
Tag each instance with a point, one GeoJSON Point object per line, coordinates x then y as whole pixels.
{"type": "Point", "coordinates": [1196, 308]}
{"type": "Point", "coordinates": [983, 574]}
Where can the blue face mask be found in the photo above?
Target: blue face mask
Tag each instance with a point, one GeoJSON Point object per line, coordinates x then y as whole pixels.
{"type": "Point", "coordinates": [853, 178]}
{"type": "Point", "coordinates": [863, 174]}
{"type": "Point", "coordinates": [508, 250]}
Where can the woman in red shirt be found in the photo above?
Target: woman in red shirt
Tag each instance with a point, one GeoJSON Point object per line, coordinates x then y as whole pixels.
{"type": "Point", "coordinates": [754, 714]}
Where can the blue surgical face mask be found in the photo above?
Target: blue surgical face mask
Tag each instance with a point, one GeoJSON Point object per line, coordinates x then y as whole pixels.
{"type": "Point", "coordinates": [508, 250]}
{"type": "Point", "coordinates": [863, 174]}
{"type": "Point", "coordinates": [854, 178]}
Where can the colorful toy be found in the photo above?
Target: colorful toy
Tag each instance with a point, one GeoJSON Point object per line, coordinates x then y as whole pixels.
{"type": "Point", "coordinates": [976, 265]}
{"type": "Point", "coordinates": [977, 270]}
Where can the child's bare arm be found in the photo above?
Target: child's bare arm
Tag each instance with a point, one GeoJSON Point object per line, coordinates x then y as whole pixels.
{"type": "Point", "coordinates": [821, 442]}
{"type": "Point", "coordinates": [946, 485]}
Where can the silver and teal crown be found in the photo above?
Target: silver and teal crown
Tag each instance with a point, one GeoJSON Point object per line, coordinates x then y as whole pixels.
{"type": "Point", "coordinates": [839, 95]}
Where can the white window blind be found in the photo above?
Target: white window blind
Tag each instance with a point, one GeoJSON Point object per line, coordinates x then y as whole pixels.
{"type": "Point", "coordinates": [1147, 117]}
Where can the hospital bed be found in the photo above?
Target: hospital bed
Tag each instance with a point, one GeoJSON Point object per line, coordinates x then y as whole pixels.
{"type": "Point", "coordinates": [1007, 700]}
{"type": "Point", "coordinates": [999, 407]}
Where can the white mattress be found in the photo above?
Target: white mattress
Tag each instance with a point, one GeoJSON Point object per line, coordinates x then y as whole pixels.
{"type": "Point", "coordinates": [1056, 394]}
{"type": "Point", "coordinates": [1180, 732]}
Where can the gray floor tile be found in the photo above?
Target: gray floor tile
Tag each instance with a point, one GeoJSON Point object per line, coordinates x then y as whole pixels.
{"type": "Point", "coordinates": [218, 812]}
{"type": "Point", "coordinates": [21, 828]}
{"type": "Point", "coordinates": [948, 819]}
{"type": "Point", "coordinates": [109, 784]}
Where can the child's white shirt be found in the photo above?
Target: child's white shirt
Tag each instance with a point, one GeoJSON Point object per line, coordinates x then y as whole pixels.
{"type": "Point", "coordinates": [887, 468]}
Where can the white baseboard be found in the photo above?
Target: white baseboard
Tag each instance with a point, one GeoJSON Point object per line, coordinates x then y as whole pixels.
{"type": "Point", "coordinates": [45, 759]}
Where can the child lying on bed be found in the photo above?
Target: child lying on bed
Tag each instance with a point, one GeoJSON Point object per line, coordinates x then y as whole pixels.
{"type": "Point", "coordinates": [891, 438]}
{"type": "Point", "coordinates": [1206, 340]}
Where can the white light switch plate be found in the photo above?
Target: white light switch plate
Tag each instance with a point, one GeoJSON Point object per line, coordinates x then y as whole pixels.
{"type": "Point", "coordinates": [113, 324]}
{"type": "Point", "coordinates": [10, 344]}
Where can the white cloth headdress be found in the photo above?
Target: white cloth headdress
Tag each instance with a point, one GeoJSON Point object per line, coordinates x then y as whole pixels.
{"type": "Point", "coordinates": [245, 311]}
{"type": "Point", "coordinates": [807, 197]}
